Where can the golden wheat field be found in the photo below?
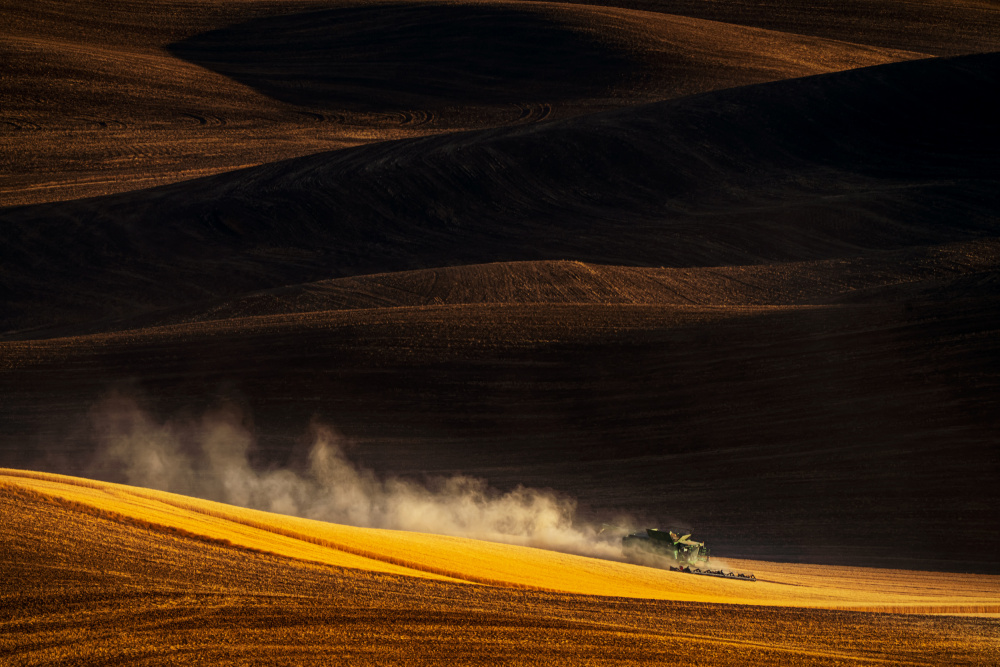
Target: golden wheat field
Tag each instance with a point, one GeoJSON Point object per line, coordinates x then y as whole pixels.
{"type": "Point", "coordinates": [117, 573]}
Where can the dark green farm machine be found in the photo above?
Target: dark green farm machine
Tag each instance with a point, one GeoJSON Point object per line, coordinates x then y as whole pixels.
{"type": "Point", "coordinates": [674, 550]}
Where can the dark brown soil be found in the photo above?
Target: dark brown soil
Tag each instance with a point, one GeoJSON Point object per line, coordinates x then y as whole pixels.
{"type": "Point", "coordinates": [816, 168]}
{"type": "Point", "coordinates": [952, 27]}
{"type": "Point", "coordinates": [95, 100]}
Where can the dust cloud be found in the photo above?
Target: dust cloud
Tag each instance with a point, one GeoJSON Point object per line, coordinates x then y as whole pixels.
{"type": "Point", "coordinates": [210, 458]}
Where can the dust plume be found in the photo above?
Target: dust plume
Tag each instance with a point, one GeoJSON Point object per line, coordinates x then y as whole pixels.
{"type": "Point", "coordinates": [210, 458]}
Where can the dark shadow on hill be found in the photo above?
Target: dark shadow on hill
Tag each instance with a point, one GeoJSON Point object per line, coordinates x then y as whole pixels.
{"type": "Point", "coordinates": [407, 56]}
{"type": "Point", "coordinates": [817, 168]}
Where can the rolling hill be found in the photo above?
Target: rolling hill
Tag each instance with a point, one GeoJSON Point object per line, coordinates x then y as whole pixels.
{"type": "Point", "coordinates": [725, 266]}
{"type": "Point", "coordinates": [814, 168]}
{"type": "Point", "coordinates": [949, 28]}
{"type": "Point", "coordinates": [113, 96]}
{"type": "Point", "coordinates": [166, 578]}
{"type": "Point", "coordinates": [870, 411]}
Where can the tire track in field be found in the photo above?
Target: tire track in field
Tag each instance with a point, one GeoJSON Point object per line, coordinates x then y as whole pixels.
{"type": "Point", "coordinates": [533, 112]}
{"type": "Point", "coordinates": [206, 119]}
{"type": "Point", "coordinates": [324, 117]}
{"type": "Point", "coordinates": [416, 118]}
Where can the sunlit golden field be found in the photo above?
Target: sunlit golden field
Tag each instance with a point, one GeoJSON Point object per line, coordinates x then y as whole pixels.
{"type": "Point", "coordinates": [125, 574]}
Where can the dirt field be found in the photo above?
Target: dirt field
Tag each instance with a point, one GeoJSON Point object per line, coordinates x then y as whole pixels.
{"type": "Point", "coordinates": [186, 90]}
{"type": "Point", "coordinates": [714, 264]}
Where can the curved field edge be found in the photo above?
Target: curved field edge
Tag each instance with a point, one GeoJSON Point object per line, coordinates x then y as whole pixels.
{"type": "Point", "coordinates": [509, 566]}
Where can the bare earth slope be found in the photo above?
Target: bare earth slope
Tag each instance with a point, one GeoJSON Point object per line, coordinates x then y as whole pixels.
{"type": "Point", "coordinates": [813, 168]}
{"type": "Point", "coordinates": [172, 580]}
{"type": "Point", "coordinates": [112, 96]}
{"type": "Point", "coordinates": [918, 273]}
{"type": "Point", "coordinates": [710, 263]}
{"type": "Point", "coordinates": [938, 27]}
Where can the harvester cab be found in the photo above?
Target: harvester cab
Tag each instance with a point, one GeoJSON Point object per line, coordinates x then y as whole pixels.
{"type": "Point", "coordinates": [669, 544]}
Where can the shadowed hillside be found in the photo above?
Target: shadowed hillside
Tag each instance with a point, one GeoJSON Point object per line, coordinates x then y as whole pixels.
{"type": "Point", "coordinates": [449, 62]}
{"type": "Point", "coordinates": [119, 96]}
{"type": "Point", "coordinates": [816, 168]}
{"type": "Point", "coordinates": [869, 426]}
{"type": "Point", "coordinates": [378, 58]}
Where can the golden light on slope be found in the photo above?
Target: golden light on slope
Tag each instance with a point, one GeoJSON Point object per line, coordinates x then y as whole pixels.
{"type": "Point", "coordinates": [96, 571]}
{"type": "Point", "coordinates": [459, 559]}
